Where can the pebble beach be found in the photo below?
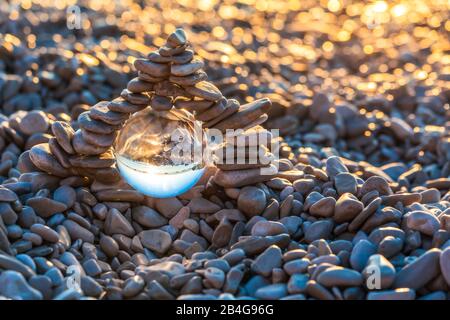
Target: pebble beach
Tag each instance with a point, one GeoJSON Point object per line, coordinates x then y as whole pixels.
{"type": "Point", "coordinates": [359, 208]}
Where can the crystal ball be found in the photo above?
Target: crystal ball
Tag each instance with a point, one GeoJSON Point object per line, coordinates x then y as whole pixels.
{"type": "Point", "coordinates": [159, 153]}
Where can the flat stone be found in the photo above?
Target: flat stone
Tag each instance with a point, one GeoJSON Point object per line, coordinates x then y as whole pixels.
{"type": "Point", "coordinates": [63, 133]}
{"type": "Point", "coordinates": [89, 124]}
{"type": "Point", "coordinates": [397, 294]}
{"type": "Point", "coordinates": [35, 121]}
{"type": "Point", "coordinates": [419, 272]}
{"type": "Point", "coordinates": [222, 234]}
{"type": "Point", "coordinates": [133, 286]}
{"type": "Point", "coordinates": [42, 158]}
{"type": "Point", "coordinates": [192, 104]}
{"type": "Point", "coordinates": [212, 112]}
{"type": "Point", "coordinates": [186, 69]}
{"type": "Point", "coordinates": [7, 195]}
{"type": "Point", "coordinates": [240, 178]}
{"type": "Point", "coordinates": [215, 277]}
{"type": "Point", "coordinates": [59, 153]}
{"type": "Point", "coordinates": [339, 277]}
{"type": "Point", "coordinates": [82, 147]}
{"type": "Point", "coordinates": [345, 182]}
{"type": "Point", "coordinates": [101, 112]}
{"type": "Point", "coordinates": [296, 266]}
{"type": "Point", "coordinates": [422, 221]}
{"type": "Point", "coordinates": [161, 103]}
{"type": "Point", "coordinates": [361, 253]}
{"type": "Point", "coordinates": [231, 108]}
{"type": "Point", "coordinates": [78, 232]}
{"type": "Point", "coordinates": [133, 102]}
{"type": "Point", "coordinates": [445, 264]}
{"type": "Point", "coordinates": [104, 160]}
{"type": "Point", "coordinates": [205, 90]}
{"type": "Point", "coordinates": [320, 229]}
{"type": "Point", "coordinates": [154, 56]}
{"type": "Point", "coordinates": [120, 195]}
{"type": "Point", "coordinates": [297, 283]}
{"type": "Point", "coordinates": [178, 219]}
{"type": "Point", "coordinates": [177, 38]}
{"type": "Point", "coordinates": [334, 166]}
{"type": "Point", "coordinates": [109, 246]}
{"type": "Point", "coordinates": [272, 292]}
{"type": "Point", "coordinates": [98, 139]}
{"type": "Point", "coordinates": [347, 208]}
{"type": "Point", "coordinates": [11, 263]}
{"type": "Point", "coordinates": [156, 240]}
{"type": "Point", "coordinates": [268, 228]}
{"type": "Point", "coordinates": [182, 58]}
{"type": "Point", "coordinates": [376, 183]}
{"type": "Point", "coordinates": [152, 68]}
{"type": "Point", "coordinates": [45, 207]}
{"type": "Point", "coordinates": [148, 217]}
{"type": "Point", "coordinates": [323, 208]}
{"type": "Point", "coordinates": [251, 201]}
{"type": "Point", "coordinates": [405, 198]}
{"type": "Point", "coordinates": [364, 214]}
{"type": "Point", "coordinates": [377, 264]}
{"type": "Point", "coordinates": [189, 80]}
{"type": "Point", "coordinates": [14, 286]}
{"type": "Point", "coordinates": [45, 232]}
{"type": "Point", "coordinates": [246, 115]}
{"type": "Point", "coordinates": [401, 129]}
{"type": "Point", "coordinates": [137, 85]}
{"type": "Point", "coordinates": [168, 207]}
{"type": "Point", "coordinates": [116, 223]}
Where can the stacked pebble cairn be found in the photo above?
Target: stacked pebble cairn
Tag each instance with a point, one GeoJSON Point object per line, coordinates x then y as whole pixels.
{"type": "Point", "coordinates": [170, 77]}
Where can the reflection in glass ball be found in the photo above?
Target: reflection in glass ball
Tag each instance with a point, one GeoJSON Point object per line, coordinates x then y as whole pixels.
{"type": "Point", "coordinates": [159, 152]}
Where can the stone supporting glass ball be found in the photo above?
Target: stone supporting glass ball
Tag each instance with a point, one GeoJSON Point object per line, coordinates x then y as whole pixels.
{"type": "Point", "coordinates": [159, 153]}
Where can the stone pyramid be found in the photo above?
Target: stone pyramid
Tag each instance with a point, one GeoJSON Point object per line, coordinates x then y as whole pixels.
{"type": "Point", "coordinates": [170, 77]}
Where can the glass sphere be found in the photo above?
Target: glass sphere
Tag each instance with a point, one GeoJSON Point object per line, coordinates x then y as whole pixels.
{"type": "Point", "coordinates": [159, 153]}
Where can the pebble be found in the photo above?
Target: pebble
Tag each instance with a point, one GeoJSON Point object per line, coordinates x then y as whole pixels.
{"type": "Point", "coordinates": [445, 264]}
{"type": "Point", "coordinates": [272, 292]}
{"type": "Point", "coordinates": [334, 166]}
{"type": "Point", "coordinates": [45, 232]}
{"type": "Point", "coordinates": [267, 261]}
{"type": "Point", "coordinates": [423, 221]}
{"type": "Point", "coordinates": [347, 208]}
{"type": "Point", "coordinates": [397, 294]}
{"type": "Point", "coordinates": [319, 230]}
{"type": "Point", "coordinates": [133, 286]}
{"type": "Point", "coordinates": [156, 240]}
{"type": "Point", "coordinates": [35, 121]}
{"type": "Point", "coordinates": [361, 253]}
{"type": "Point", "coordinates": [345, 182]}
{"type": "Point", "coordinates": [148, 217]}
{"type": "Point", "coordinates": [251, 201]}
{"type": "Point", "coordinates": [78, 232]}
{"type": "Point", "coordinates": [116, 223]}
{"type": "Point", "coordinates": [379, 266]}
{"type": "Point", "coordinates": [340, 277]}
{"type": "Point", "coordinates": [418, 273]}
{"type": "Point", "coordinates": [46, 207]}
{"type": "Point", "coordinates": [268, 228]}
{"type": "Point", "coordinates": [323, 208]}
{"type": "Point", "coordinates": [14, 286]}
{"type": "Point", "coordinates": [10, 263]}
{"type": "Point", "coordinates": [297, 283]}
{"type": "Point", "coordinates": [215, 277]}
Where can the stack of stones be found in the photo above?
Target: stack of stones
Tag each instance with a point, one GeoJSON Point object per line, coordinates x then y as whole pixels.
{"type": "Point", "coordinates": [170, 77]}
